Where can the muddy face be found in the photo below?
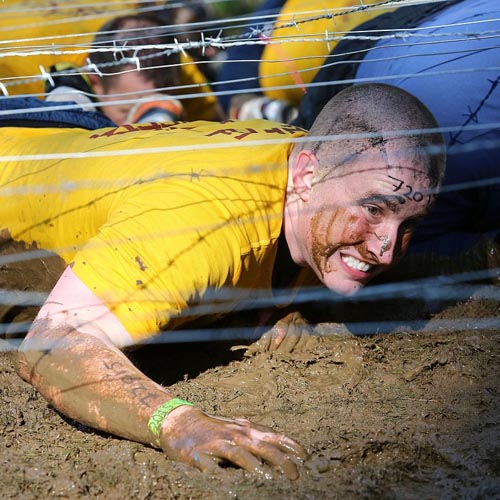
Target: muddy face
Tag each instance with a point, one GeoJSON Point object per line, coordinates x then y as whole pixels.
{"type": "Point", "coordinates": [360, 222]}
{"type": "Point", "coordinates": [322, 224]}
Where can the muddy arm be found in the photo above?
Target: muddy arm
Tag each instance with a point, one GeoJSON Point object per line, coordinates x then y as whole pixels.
{"type": "Point", "coordinates": [94, 383]}
{"type": "Point", "coordinates": [89, 380]}
{"type": "Point", "coordinates": [86, 377]}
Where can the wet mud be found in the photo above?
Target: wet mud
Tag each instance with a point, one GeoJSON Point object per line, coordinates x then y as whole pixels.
{"type": "Point", "coordinates": [412, 413]}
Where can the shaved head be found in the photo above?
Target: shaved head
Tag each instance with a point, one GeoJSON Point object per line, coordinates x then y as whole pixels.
{"type": "Point", "coordinates": [369, 116]}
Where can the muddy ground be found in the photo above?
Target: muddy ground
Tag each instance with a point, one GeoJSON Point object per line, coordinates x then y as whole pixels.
{"type": "Point", "coordinates": [405, 414]}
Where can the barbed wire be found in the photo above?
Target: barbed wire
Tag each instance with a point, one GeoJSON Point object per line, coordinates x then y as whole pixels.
{"type": "Point", "coordinates": [219, 42]}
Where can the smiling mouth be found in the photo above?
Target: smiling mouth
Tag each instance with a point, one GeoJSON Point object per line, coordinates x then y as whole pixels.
{"type": "Point", "coordinates": [356, 264]}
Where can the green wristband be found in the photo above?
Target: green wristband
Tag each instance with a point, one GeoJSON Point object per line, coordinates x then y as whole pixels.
{"type": "Point", "coordinates": [161, 413]}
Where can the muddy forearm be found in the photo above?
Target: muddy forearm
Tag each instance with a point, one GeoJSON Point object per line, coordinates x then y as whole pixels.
{"type": "Point", "coordinates": [90, 381]}
{"type": "Point", "coordinates": [93, 382]}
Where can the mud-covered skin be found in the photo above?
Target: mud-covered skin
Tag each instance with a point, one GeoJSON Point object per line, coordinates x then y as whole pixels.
{"type": "Point", "coordinates": [89, 380]}
{"type": "Point", "coordinates": [291, 333]}
{"type": "Point", "coordinates": [94, 383]}
{"type": "Point", "coordinates": [353, 235]}
{"type": "Point", "coordinates": [347, 216]}
{"type": "Point", "coordinates": [206, 442]}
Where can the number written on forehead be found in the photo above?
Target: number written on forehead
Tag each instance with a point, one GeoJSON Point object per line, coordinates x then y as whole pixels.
{"type": "Point", "coordinates": [408, 192]}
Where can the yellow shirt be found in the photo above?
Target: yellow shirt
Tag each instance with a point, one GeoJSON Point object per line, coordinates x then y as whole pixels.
{"type": "Point", "coordinates": [155, 218]}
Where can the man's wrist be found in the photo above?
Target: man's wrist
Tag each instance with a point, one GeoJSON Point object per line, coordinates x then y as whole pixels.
{"type": "Point", "coordinates": [160, 415]}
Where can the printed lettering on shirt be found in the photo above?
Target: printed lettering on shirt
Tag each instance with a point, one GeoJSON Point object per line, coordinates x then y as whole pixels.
{"type": "Point", "coordinates": [140, 127]}
{"type": "Point", "coordinates": [241, 133]}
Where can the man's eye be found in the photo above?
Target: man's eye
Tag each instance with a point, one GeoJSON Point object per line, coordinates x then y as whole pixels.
{"type": "Point", "coordinates": [373, 210]}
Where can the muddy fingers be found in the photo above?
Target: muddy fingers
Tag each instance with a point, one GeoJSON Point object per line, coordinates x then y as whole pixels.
{"type": "Point", "coordinates": [289, 334]}
{"type": "Point", "coordinates": [242, 458]}
{"type": "Point", "coordinates": [198, 439]}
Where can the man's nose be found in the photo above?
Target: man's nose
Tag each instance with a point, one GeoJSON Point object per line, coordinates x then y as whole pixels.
{"type": "Point", "coordinates": [383, 243]}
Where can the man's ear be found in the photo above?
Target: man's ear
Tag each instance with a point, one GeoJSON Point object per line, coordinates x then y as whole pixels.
{"type": "Point", "coordinates": [303, 171]}
{"type": "Point", "coordinates": [96, 83]}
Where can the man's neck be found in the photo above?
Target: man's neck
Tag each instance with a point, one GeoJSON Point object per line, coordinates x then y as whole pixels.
{"type": "Point", "coordinates": [285, 269]}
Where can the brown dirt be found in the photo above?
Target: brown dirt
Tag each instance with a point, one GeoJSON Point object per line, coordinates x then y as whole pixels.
{"type": "Point", "coordinates": [407, 414]}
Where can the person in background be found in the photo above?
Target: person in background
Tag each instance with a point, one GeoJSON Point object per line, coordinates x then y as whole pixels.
{"type": "Point", "coordinates": [268, 76]}
{"type": "Point", "coordinates": [38, 30]}
{"type": "Point", "coordinates": [129, 85]}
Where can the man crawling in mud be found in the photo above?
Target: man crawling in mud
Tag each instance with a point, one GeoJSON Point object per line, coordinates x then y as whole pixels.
{"type": "Point", "coordinates": [160, 223]}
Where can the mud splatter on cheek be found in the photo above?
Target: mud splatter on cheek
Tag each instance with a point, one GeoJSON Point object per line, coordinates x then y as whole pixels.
{"type": "Point", "coordinates": [320, 223]}
{"type": "Point", "coordinates": [324, 226]}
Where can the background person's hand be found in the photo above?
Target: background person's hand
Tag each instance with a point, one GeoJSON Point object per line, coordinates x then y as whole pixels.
{"type": "Point", "coordinates": [255, 106]}
{"type": "Point", "coordinates": [291, 333]}
{"type": "Point", "coordinates": [191, 436]}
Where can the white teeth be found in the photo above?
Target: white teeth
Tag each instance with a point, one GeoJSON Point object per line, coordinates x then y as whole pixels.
{"type": "Point", "coordinates": [356, 264]}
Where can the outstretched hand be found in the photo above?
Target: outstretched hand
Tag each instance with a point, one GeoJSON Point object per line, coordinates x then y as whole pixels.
{"type": "Point", "coordinates": [191, 436]}
{"type": "Point", "coordinates": [291, 333]}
